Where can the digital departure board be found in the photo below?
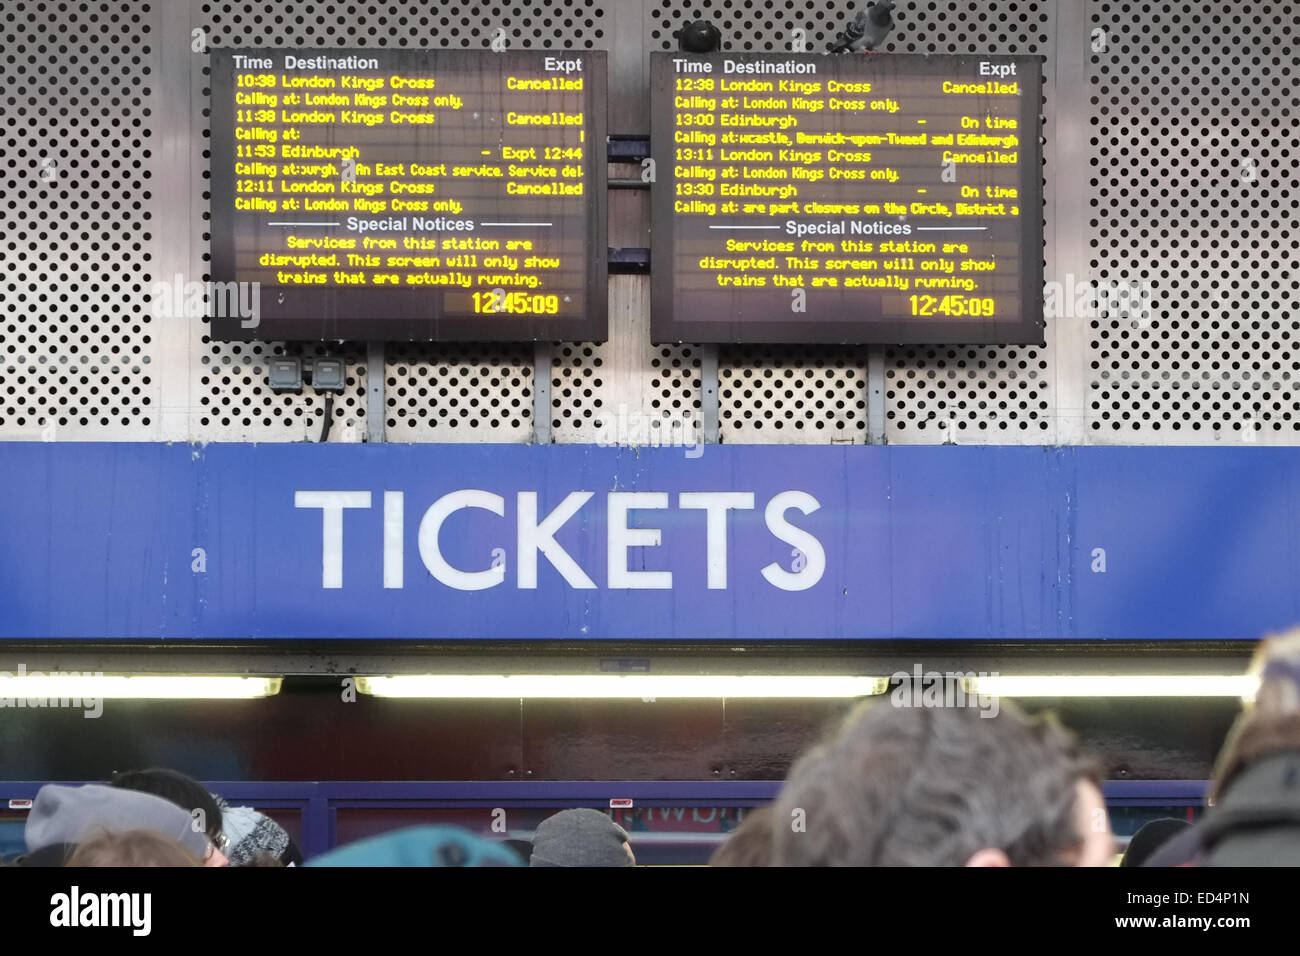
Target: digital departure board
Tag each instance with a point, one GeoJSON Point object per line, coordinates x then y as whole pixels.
{"type": "Point", "coordinates": [851, 199]}
{"type": "Point", "coordinates": [409, 195]}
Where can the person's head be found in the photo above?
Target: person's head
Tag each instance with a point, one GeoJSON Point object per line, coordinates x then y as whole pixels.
{"type": "Point", "coordinates": [1270, 724]}
{"type": "Point", "coordinates": [131, 848]}
{"type": "Point", "coordinates": [943, 786]}
{"type": "Point", "coordinates": [750, 844]}
{"type": "Point", "coordinates": [263, 858]}
{"type": "Point", "coordinates": [184, 791]}
{"type": "Point", "coordinates": [64, 816]}
{"type": "Point", "coordinates": [580, 837]}
{"type": "Point", "coordinates": [248, 833]}
{"type": "Point", "coordinates": [1150, 837]}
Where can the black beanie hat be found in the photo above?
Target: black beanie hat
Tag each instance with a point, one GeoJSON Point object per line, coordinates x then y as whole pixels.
{"type": "Point", "coordinates": [1150, 837]}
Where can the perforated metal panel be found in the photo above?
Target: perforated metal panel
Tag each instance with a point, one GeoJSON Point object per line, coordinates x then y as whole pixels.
{"type": "Point", "coordinates": [233, 403]}
{"type": "Point", "coordinates": [1182, 186]}
{"type": "Point", "coordinates": [626, 391]}
{"type": "Point", "coordinates": [674, 393]}
{"type": "Point", "coordinates": [666, 393]}
{"type": "Point", "coordinates": [577, 386]}
{"type": "Point", "coordinates": [1195, 137]}
{"type": "Point", "coordinates": [922, 26]}
{"type": "Point", "coordinates": [459, 393]}
{"type": "Point", "coordinates": [790, 395]}
{"type": "Point", "coordinates": [563, 24]}
{"type": "Point", "coordinates": [76, 221]}
{"type": "Point", "coordinates": [970, 395]}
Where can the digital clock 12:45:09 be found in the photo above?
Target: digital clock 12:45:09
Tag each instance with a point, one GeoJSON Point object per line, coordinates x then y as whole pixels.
{"type": "Point", "coordinates": [953, 305]}
{"type": "Point", "coordinates": [518, 303]}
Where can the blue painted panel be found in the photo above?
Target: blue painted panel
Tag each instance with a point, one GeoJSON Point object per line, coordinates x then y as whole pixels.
{"type": "Point", "coordinates": [994, 543]}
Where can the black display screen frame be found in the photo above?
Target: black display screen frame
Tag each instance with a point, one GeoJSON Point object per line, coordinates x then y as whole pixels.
{"type": "Point", "coordinates": [348, 314]}
{"type": "Point", "coordinates": [667, 327]}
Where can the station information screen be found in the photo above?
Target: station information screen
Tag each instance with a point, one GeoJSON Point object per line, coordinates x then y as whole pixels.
{"type": "Point", "coordinates": [851, 199]}
{"type": "Point", "coordinates": [409, 195]}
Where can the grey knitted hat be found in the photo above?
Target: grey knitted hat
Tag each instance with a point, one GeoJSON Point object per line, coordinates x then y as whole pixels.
{"type": "Point", "coordinates": [580, 837]}
{"type": "Point", "coordinates": [69, 815]}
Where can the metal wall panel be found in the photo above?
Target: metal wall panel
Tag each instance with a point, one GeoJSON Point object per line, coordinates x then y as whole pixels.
{"type": "Point", "coordinates": [1172, 125]}
{"type": "Point", "coordinates": [78, 213]}
{"type": "Point", "coordinates": [1195, 131]}
{"type": "Point", "coordinates": [174, 543]}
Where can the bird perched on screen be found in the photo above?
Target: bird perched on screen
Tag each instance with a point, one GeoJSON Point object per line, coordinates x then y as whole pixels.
{"type": "Point", "coordinates": [699, 36]}
{"type": "Point", "coordinates": [867, 30]}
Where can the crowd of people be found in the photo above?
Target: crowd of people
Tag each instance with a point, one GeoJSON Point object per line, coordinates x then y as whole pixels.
{"type": "Point", "coordinates": [890, 786]}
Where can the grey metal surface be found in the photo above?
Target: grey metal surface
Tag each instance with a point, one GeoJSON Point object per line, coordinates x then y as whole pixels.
{"type": "Point", "coordinates": [876, 385]}
{"type": "Point", "coordinates": [709, 393]}
{"type": "Point", "coordinates": [1194, 133]}
{"type": "Point", "coordinates": [1167, 163]}
{"type": "Point", "coordinates": [375, 380]}
{"type": "Point", "coordinates": [80, 158]}
{"type": "Point", "coordinates": [542, 393]}
{"type": "Point", "coordinates": [1067, 238]}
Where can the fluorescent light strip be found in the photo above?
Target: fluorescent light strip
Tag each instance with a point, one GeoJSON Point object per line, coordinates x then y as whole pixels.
{"type": "Point", "coordinates": [122, 687]}
{"type": "Point", "coordinates": [625, 686]}
{"type": "Point", "coordinates": [1120, 685]}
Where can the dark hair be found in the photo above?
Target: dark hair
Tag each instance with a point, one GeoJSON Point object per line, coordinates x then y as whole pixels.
{"type": "Point", "coordinates": [921, 786]}
{"type": "Point", "coordinates": [750, 844]}
{"type": "Point", "coordinates": [1150, 837]}
{"type": "Point", "coordinates": [523, 847]}
{"type": "Point", "coordinates": [131, 848]}
{"type": "Point", "coordinates": [186, 792]}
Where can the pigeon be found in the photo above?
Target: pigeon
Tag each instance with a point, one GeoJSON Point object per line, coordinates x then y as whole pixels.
{"type": "Point", "coordinates": [867, 30]}
{"type": "Point", "coordinates": [699, 36]}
